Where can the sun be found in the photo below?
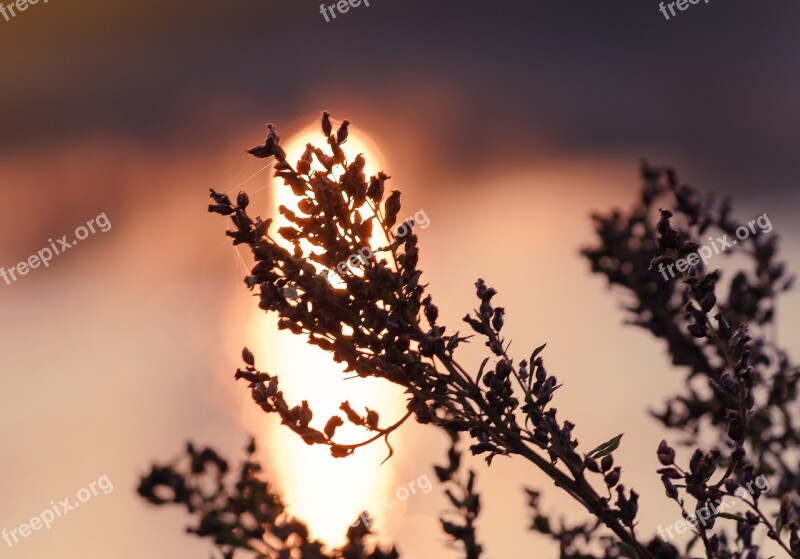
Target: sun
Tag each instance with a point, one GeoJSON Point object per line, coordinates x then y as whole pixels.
{"type": "Point", "coordinates": [325, 492]}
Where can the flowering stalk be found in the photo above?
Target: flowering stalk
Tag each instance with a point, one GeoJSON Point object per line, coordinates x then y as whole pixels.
{"type": "Point", "coordinates": [381, 323]}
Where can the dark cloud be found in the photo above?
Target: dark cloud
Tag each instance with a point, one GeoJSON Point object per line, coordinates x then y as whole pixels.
{"type": "Point", "coordinates": [716, 85]}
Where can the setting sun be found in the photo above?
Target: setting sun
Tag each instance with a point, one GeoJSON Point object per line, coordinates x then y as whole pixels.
{"type": "Point", "coordinates": [328, 493]}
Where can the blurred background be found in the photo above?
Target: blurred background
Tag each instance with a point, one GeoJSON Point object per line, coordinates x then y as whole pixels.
{"type": "Point", "coordinates": [508, 123]}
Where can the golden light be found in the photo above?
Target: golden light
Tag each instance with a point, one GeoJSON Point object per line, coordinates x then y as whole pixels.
{"type": "Point", "coordinates": [327, 493]}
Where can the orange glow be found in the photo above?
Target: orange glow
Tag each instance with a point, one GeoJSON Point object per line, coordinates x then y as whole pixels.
{"type": "Point", "coordinates": [327, 493]}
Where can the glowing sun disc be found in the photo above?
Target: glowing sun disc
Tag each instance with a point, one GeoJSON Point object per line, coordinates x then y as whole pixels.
{"type": "Point", "coordinates": [327, 493]}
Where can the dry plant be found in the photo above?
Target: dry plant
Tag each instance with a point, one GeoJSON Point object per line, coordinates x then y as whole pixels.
{"type": "Point", "coordinates": [380, 321]}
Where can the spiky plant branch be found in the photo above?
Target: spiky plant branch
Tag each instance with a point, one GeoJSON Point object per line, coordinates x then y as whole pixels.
{"type": "Point", "coordinates": [374, 326]}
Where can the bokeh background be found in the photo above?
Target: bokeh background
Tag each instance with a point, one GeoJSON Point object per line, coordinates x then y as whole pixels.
{"type": "Point", "coordinates": [507, 122]}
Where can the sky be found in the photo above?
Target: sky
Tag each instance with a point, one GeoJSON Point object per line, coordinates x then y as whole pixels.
{"type": "Point", "coordinates": [508, 123]}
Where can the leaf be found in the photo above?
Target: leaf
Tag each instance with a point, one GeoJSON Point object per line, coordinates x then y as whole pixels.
{"type": "Point", "coordinates": [248, 358]}
{"type": "Point", "coordinates": [606, 448]}
{"type": "Point", "coordinates": [717, 386]}
{"type": "Point", "coordinates": [260, 152]}
{"type": "Point", "coordinates": [480, 371]}
{"type": "Point", "coordinates": [535, 353]}
{"type": "Point", "coordinates": [545, 397]}
{"type": "Point", "coordinates": [627, 550]}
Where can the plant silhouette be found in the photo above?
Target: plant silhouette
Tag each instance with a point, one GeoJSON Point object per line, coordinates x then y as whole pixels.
{"type": "Point", "coordinates": [380, 321]}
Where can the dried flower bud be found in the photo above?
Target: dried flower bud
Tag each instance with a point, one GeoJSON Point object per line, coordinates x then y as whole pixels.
{"type": "Point", "coordinates": [723, 327]}
{"type": "Point", "coordinates": [487, 294]}
{"type": "Point", "coordinates": [333, 423]}
{"type": "Point", "coordinates": [259, 393]}
{"type": "Point", "coordinates": [220, 198]}
{"type": "Point", "coordinates": [376, 186]}
{"type": "Point", "coordinates": [670, 473]}
{"type": "Point", "coordinates": [338, 451]}
{"type": "Point", "coordinates": [431, 313]}
{"type": "Point", "coordinates": [523, 370]}
{"type": "Point", "coordinates": [688, 247]}
{"type": "Point", "coordinates": [480, 287]}
{"type": "Point", "coordinates": [327, 128]}
{"type": "Point", "coordinates": [312, 437]}
{"type": "Point", "coordinates": [341, 134]}
{"type": "Point", "coordinates": [695, 461]}
{"type": "Point", "coordinates": [372, 419]}
{"type": "Point", "coordinates": [663, 222]}
{"type": "Point", "coordinates": [672, 491]}
{"type": "Point", "coordinates": [729, 383]}
{"type": "Point", "coordinates": [612, 477]}
{"type": "Point", "coordinates": [221, 209]}
{"type": "Point", "coordinates": [497, 319]}
{"type": "Point", "coordinates": [591, 464]}
{"type": "Point", "coordinates": [666, 455]}
{"type": "Point", "coordinates": [713, 543]}
{"type": "Point", "coordinates": [735, 429]}
{"type": "Point", "coordinates": [248, 358]}
{"type": "Point", "coordinates": [305, 414]}
{"type": "Point", "coordinates": [304, 163]}
{"type": "Point", "coordinates": [352, 416]}
{"type": "Point", "coordinates": [749, 398]}
{"type": "Point", "coordinates": [786, 507]}
{"type": "Point", "coordinates": [477, 325]}
{"type": "Point", "coordinates": [392, 208]}
{"type": "Point", "coordinates": [708, 301]}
